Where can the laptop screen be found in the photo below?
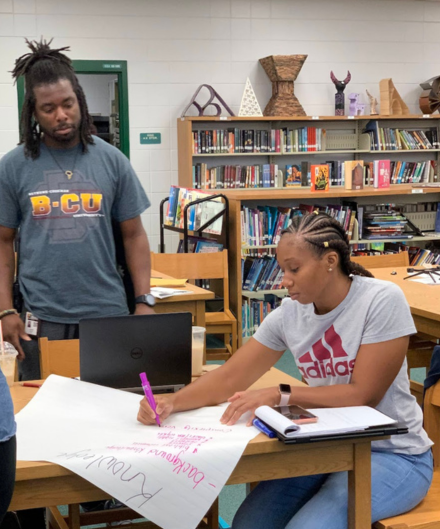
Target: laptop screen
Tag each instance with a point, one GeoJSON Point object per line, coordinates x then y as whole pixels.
{"type": "Point", "coordinates": [114, 350]}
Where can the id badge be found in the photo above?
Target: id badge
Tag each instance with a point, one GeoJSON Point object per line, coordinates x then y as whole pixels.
{"type": "Point", "coordinates": [31, 324]}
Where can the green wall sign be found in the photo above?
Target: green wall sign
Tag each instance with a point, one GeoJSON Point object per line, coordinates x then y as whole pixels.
{"type": "Point", "coordinates": [149, 138]}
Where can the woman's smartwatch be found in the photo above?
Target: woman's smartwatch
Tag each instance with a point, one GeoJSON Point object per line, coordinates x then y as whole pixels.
{"type": "Point", "coordinates": [147, 299]}
{"type": "Point", "coordinates": [285, 392]}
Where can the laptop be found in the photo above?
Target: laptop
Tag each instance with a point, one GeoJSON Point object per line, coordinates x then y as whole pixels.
{"type": "Point", "coordinates": [114, 350]}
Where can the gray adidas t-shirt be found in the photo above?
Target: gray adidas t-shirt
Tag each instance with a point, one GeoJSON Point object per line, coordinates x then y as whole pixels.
{"type": "Point", "coordinates": [325, 348]}
{"type": "Point", "coordinates": [67, 251]}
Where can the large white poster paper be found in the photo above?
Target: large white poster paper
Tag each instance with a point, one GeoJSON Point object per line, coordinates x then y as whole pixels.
{"type": "Point", "coordinates": [171, 475]}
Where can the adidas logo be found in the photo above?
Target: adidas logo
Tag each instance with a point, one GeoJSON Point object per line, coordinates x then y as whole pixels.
{"type": "Point", "coordinates": [327, 358]}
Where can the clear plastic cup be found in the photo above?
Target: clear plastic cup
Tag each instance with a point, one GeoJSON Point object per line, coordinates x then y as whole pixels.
{"type": "Point", "coordinates": [7, 362]}
{"type": "Point", "coordinates": [198, 347]}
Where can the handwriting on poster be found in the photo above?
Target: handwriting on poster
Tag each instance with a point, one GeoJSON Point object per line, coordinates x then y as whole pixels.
{"type": "Point", "coordinates": [185, 443]}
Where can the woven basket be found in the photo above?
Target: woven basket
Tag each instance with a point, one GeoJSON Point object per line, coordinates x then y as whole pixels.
{"type": "Point", "coordinates": [283, 70]}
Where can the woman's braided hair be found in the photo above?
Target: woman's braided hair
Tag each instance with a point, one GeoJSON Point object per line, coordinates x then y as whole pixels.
{"type": "Point", "coordinates": [44, 66]}
{"type": "Point", "coordinates": [323, 233]}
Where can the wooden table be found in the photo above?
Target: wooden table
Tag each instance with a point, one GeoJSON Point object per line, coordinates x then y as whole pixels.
{"type": "Point", "coordinates": [193, 302]}
{"type": "Point", "coordinates": [424, 300]}
{"type": "Point", "coordinates": [42, 484]}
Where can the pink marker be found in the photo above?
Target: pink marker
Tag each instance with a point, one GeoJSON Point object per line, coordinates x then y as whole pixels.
{"type": "Point", "coordinates": [149, 395]}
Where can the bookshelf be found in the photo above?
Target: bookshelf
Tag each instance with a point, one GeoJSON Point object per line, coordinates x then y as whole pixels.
{"type": "Point", "coordinates": [347, 142]}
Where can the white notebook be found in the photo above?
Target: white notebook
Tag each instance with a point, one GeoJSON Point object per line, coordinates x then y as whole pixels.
{"type": "Point", "coordinates": [330, 421]}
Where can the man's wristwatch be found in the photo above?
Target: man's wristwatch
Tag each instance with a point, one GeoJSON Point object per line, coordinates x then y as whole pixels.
{"type": "Point", "coordinates": [147, 299]}
{"type": "Point", "coordinates": [285, 392]}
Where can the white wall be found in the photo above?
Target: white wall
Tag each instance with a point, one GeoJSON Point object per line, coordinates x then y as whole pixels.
{"type": "Point", "coordinates": [172, 46]}
{"type": "Point", "coordinates": [97, 90]}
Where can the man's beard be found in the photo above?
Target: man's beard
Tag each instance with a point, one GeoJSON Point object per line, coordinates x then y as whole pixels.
{"type": "Point", "coordinates": [62, 138]}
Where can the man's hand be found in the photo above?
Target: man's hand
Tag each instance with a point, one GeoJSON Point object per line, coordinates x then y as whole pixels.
{"type": "Point", "coordinates": [142, 308]}
{"type": "Point", "coordinates": [13, 330]}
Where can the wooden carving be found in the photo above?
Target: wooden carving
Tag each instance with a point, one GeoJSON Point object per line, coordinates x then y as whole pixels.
{"type": "Point", "coordinates": [339, 96]}
{"type": "Point", "coordinates": [213, 94]}
{"type": "Point", "coordinates": [430, 99]}
{"type": "Point", "coordinates": [391, 104]}
{"type": "Point", "coordinates": [373, 104]}
{"type": "Point", "coordinates": [283, 70]}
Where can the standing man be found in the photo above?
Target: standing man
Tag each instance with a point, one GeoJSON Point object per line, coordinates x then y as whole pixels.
{"type": "Point", "coordinates": [63, 187]}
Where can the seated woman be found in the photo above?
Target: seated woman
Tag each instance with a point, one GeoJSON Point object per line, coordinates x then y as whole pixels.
{"type": "Point", "coordinates": [349, 334]}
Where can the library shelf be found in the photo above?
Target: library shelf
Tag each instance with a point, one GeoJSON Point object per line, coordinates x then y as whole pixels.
{"type": "Point", "coordinates": [259, 294]}
{"type": "Point", "coordinates": [348, 142]}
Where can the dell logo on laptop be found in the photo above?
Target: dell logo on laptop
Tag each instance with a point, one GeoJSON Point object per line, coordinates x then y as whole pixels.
{"type": "Point", "coordinates": [136, 353]}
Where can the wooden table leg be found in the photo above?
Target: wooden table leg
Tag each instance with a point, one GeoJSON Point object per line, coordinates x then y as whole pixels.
{"type": "Point", "coordinates": [74, 516]}
{"type": "Point", "coordinates": [199, 316]}
{"type": "Point", "coordinates": [54, 519]}
{"type": "Point", "coordinates": [199, 321]}
{"type": "Point", "coordinates": [359, 488]}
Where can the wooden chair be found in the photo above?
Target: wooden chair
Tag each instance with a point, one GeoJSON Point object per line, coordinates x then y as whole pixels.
{"type": "Point", "coordinates": [205, 266]}
{"type": "Point", "coordinates": [61, 357]}
{"type": "Point", "coordinates": [382, 261]}
{"type": "Point", "coordinates": [427, 514]}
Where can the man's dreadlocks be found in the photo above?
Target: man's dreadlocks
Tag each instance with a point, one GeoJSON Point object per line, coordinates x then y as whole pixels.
{"type": "Point", "coordinates": [44, 66]}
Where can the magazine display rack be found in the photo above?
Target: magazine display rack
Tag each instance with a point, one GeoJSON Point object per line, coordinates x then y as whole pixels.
{"type": "Point", "coordinates": [199, 231]}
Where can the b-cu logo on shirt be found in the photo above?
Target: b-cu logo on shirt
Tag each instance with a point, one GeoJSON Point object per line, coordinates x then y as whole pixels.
{"type": "Point", "coordinates": [327, 358]}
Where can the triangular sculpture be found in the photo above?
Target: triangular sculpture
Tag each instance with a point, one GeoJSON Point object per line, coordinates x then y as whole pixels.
{"type": "Point", "coordinates": [391, 104]}
{"type": "Point", "coordinates": [249, 104]}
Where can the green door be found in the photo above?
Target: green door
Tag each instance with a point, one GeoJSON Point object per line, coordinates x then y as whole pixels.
{"type": "Point", "coordinates": [118, 68]}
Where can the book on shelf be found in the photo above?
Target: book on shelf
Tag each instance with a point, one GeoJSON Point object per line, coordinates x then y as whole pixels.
{"type": "Point", "coordinates": [397, 139]}
{"type": "Point", "coordinates": [330, 421]}
{"type": "Point", "coordinates": [354, 174]}
{"type": "Point", "coordinates": [255, 310]}
{"type": "Point", "coordinates": [424, 256]}
{"type": "Point", "coordinates": [320, 178]}
{"type": "Point", "coordinates": [263, 225]}
{"type": "Point", "coordinates": [381, 174]}
{"type": "Point", "coordinates": [293, 175]}
{"type": "Point", "coordinates": [261, 273]}
{"type": "Point", "coordinates": [198, 214]}
{"type": "Point", "coordinates": [247, 141]}
{"type": "Point", "coordinates": [351, 174]}
{"type": "Point", "coordinates": [387, 223]}
{"type": "Point", "coordinates": [200, 245]}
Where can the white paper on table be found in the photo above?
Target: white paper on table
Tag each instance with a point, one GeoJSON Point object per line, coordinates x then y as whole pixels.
{"type": "Point", "coordinates": [171, 475]}
{"type": "Point", "coordinates": [426, 279]}
{"type": "Point", "coordinates": [163, 292]}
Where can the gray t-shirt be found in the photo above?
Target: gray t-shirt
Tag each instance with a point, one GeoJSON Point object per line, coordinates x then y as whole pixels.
{"type": "Point", "coordinates": [67, 252]}
{"type": "Point", "coordinates": [325, 348]}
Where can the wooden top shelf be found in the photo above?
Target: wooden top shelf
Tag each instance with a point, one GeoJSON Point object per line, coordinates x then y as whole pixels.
{"type": "Point", "coordinates": [265, 193]}
{"type": "Point", "coordinates": [307, 118]}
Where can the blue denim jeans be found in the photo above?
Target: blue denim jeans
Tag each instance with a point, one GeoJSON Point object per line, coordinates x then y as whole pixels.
{"type": "Point", "coordinates": [398, 482]}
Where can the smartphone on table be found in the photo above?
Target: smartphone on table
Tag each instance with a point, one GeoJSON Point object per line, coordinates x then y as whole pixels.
{"type": "Point", "coordinates": [296, 414]}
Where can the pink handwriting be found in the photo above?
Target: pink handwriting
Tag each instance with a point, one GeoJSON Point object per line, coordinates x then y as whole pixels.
{"type": "Point", "coordinates": [118, 468]}
{"type": "Point", "coordinates": [130, 448]}
{"type": "Point", "coordinates": [207, 429]}
{"type": "Point", "coordinates": [197, 476]}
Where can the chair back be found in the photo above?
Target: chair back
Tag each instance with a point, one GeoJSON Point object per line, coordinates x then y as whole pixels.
{"type": "Point", "coordinates": [59, 357]}
{"type": "Point", "coordinates": [194, 266]}
{"type": "Point", "coordinates": [431, 419]}
{"type": "Point", "coordinates": [382, 261]}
